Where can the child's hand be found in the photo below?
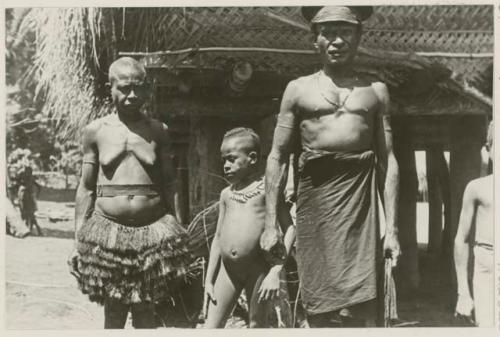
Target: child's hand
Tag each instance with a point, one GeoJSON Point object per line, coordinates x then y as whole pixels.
{"type": "Point", "coordinates": [270, 287]}
{"type": "Point", "coordinates": [209, 296]}
{"type": "Point", "coordinates": [464, 306]}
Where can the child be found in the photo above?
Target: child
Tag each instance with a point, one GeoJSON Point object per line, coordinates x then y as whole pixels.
{"type": "Point", "coordinates": [477, 212]}
{"type": "Point", "coordinates": [27, 200]}
{"type": "Point", "coordinates": [235, 250]}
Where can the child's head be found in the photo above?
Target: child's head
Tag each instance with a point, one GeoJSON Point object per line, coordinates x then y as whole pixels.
{"type": "Point", "coordinates": [128, 85]}
{"type": "Point", "coordinates": [240, 151]}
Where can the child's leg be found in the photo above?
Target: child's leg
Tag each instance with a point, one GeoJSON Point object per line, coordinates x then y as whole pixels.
{"type": "Point", "coordinates": [115, 314]}
{"type": "Point", "coordinates": [143, 315]}
{"type": "Point", "coordinates": [257, 312]}
{"type": "Point", "coordinates": [226, 292]}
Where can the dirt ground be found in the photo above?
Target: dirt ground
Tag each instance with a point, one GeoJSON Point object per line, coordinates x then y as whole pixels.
{"type": "Point", "coordinates": [41, 294]}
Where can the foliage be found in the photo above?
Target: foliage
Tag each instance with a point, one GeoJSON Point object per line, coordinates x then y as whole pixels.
{"type": "Point", "coordinates": [27, 128]}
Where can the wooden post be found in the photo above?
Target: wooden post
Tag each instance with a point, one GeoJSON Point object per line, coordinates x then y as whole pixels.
{"type": "Point", "coordinates": [407, 220]}
{"type": "Point", "coordinates": [435, 200]}
{"type": "Point", "coordinates": [444, 183]}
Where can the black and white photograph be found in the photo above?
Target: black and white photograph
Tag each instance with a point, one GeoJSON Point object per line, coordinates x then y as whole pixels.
{"type": "Point", "coordinates": [234, 167]}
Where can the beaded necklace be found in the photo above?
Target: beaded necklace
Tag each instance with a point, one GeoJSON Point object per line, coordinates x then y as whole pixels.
{"type": "Point", "coordinates": [243, 197]}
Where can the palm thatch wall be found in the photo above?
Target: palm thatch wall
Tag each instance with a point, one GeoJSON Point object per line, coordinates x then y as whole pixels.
{"type": "Point", "coordinates": [408, 47]}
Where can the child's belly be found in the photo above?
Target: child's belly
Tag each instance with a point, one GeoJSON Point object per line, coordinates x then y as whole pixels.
{"type": "Point", "coordinates": [239, 238]}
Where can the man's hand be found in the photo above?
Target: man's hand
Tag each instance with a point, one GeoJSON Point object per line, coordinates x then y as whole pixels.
{"type": "Point", "coordinates": [270, 287]}
{"type": "Point", "coordinates": [209, 297]}
{"type": "Point", "coordinates": [392, 249]}
{"type": "Point", "coordinates": [73, 264]}
{"type": "Point", "coordinates": [272, 245]}
{"type": "Point", "coordinates": [269, 238]}
{"type": "Point", "coordinates": [464, 306]}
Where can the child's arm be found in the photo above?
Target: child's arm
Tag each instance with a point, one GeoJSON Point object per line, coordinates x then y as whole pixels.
{"type": "Point", "coordinates": [271, 284]}
{"type": "Point", "coordinates": [461, 251]}
{"type": "Point", "coordinates": [214, 259]}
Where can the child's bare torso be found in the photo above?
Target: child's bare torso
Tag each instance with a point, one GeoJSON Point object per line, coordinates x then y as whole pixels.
{"type": "Point", "coordinates": [483, 191]}
{"type": "Point", "coordinates": [129, 155]}
{"type": "Point", "coordinates": [241, 228]}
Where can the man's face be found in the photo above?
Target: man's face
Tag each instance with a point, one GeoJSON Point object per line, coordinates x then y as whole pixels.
{"type": "Point", "coordinates": [129, 90]}
{"type": "Point", "coordinates": [337, 42]}
{"type": "Point", "coordinates": [238, 162]}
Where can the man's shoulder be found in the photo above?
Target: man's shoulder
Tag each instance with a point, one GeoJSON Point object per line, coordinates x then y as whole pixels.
{"type": "Point", "coordinates": [304, 80]}
{"type": "Point", "coordinates": [481, 183]}
{"type": "Point", "coordinates": [380, 89]}
{"type": "Point", "coordinates": [475, 186]}
{"type": "Point", "coordinates": [299, 86]}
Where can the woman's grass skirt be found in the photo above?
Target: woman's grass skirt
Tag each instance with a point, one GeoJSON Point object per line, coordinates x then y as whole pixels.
{"type": "Point", "coordinates": [131, 264]}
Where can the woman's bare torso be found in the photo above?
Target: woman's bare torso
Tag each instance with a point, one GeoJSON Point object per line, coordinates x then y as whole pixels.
{"type": "Point", "coordinates": [128, 155]}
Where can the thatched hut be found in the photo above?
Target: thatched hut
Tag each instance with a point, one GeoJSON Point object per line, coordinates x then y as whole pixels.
{"type": "Point", "coordinates": [218, 67]}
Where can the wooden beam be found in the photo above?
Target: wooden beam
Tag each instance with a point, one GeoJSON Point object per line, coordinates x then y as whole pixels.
{"type": "Point", "coordinates": [435, 200]}
{"type": "Point", "coordinates": [408, 274]}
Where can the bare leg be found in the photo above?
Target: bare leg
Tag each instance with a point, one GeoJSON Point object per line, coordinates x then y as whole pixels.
{"type": "Point", "coordinates": [37, 226]}
{"type": "Point", "coordinates": [143, 315]}
{"type": "Point", "coordinates": [226, 293]}
{"type": "Point", "coordinates": [257, 311]}
{"type": "Point", "coordinates": [115, 314]}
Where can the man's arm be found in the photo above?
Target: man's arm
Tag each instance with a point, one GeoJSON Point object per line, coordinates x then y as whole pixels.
{"type": "Point", "coordinates": [461, 251]}
{"type": "Point", "coordinates": [387, 172]}
{"type": "Point", "coordinates": [169, 180]}
{"type": "Point", "coordinates": [277, 161]}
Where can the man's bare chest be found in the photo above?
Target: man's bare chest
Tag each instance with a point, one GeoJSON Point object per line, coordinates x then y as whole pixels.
{"type": "Point", "coordinates": [357, 102]}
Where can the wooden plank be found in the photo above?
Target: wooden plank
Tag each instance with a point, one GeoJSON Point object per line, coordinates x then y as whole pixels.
{"type": "Point", "coordinates": [408, 274]}
{"type": "Point", "coordinates": [435, 200]}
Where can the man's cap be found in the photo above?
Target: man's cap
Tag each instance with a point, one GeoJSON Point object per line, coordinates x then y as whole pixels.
{"type": "Point", "coordinates": [351, 14]}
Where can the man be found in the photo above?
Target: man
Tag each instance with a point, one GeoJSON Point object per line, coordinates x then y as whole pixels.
{"type": "Point", "coordinates": [130, 249]}
{"type": "Point", "coordinates": [477, 213]}
{"type": "Point", "coordinates": [343, 124]}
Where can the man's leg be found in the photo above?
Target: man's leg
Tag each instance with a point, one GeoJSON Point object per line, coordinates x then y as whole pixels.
{"type": "Point", "coordinates": [330, 319]}
{"type": "Point", "coordinates": [143, 315]}
{"type": "Point", "coordinates": [360, 315]}
{"type": "Point", "coordinates": [115, 314]}
{"type": "Point", "coordinates": [226, 292]}
{"type": "Point", "coordinates": [483, 286]}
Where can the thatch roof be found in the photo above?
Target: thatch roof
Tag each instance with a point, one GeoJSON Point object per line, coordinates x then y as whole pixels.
{"type": "Point", "coordinates": [449, 48]}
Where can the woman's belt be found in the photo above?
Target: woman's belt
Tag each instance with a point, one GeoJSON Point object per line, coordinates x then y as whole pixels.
{"type": "Point", "coordinates": [117, 190]}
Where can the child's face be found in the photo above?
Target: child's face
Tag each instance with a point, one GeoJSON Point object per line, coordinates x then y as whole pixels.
{"type": "Point", "coordinates": [129, 90]}
{"type": "Point", "coordinates": [237, 160]}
